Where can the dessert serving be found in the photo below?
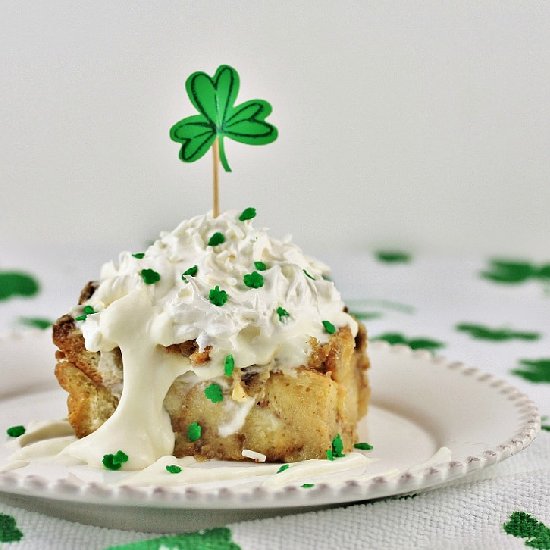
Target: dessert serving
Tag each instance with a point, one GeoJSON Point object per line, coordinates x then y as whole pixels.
{"type": "Point", "coordinates": [218, 341]}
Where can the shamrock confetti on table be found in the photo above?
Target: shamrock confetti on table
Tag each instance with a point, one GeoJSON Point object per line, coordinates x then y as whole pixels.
{"type": "Point", "coordinates": [516, 271]}
{"type": "Point", "coordinates": [17, 283]}
{"type": "Point", "coordinates": [525, 526]}
{"type": "Point", "coordinates": [482, 332]}
{"type": "Point", "coordinates": [392, 256]}
{"type": "Point", "coordinates": [537, 370]}
{"type": "Point", "coordinates": [36, 322]}
{"type": "Point", "coordinates": [8, 529]}
{"type": "Point", "coordinates": [414, 343]}
{"type": "Point", "coordinates": [218, 538]}
{"type": "Point", "coordinates": [214, 98]}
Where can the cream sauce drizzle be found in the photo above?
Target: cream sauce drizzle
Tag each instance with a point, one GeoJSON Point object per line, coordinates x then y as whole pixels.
{"type": "Point", "coordinates": [353, 466]}
{"type": "Point", "coordinates": [140, 426]}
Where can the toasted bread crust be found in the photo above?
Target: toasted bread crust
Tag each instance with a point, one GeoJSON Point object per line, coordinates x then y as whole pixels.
{"type": "Point", "coordinates": [294, 417]}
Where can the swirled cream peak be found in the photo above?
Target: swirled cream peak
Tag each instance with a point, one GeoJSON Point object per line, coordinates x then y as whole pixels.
{"type": "Point", "coordinates": [268, 325]}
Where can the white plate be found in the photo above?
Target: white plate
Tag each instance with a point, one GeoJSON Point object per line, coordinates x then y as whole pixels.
{"type": "Point", "coordinates": [420, 403]}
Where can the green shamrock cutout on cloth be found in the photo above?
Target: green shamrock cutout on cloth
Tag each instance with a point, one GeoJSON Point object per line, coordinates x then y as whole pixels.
{"type": "Point", "coordinates": [537, 371]}
{"type": "Point", "coordinates": [366, 315]}
{"type": "Point", "coordinates": [392, 256]}
{"type": "Point", "coordinates": [214, 98]}
{"type": "Point", "coordinates": [8, 529]}
{"type": "Point", "coordinates": [17, 283]}
{"type": "Point", "coordinates": [545, 426]}
{"type": "Point", "coordinates": [525, 526]}
{"type": "Point", "coordinates": [209, 539]}
{"type": "Point", "coordinates": [36, 322]}
{"type": "Point", "coordinates": [414, 343]}
{"type": "Point", "coordinates": [482, 332]}
{"type": "Point", "coordinates": [516, 271]}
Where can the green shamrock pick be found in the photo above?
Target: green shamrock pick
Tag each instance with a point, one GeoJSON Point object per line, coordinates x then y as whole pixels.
{"type": "Point", "coordinates": [214, 98]}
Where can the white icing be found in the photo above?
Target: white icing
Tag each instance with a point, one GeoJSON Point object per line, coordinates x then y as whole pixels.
{"type": "Point", "coordinates": [238, 413]}
{"type": "Point", "coordinates": [247, 326]}
{"type": "Point", "coordinates": [46, 445]}
{"type": "Point", "coordinates": [257, 457]}
{"type": "Point", "coordinates": [140, 426]}
{"type": "Point", "coordinates": [140, 318]}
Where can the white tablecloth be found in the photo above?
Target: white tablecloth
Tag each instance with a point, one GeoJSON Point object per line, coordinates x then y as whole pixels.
{"type": "Point", "coordinates": [429, 298]}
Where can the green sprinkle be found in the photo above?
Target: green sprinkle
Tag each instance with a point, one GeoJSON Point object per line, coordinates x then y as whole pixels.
{"type": "Point", "coordinates": [329, 327]}
{"type": "Point", "coordinates": [260, 266]}
{"type": "Point", "coordinates": [217, 297]}
{"type": "Point", "coordinates": [330, 455]}
{"type": "Point", "coordinates": [149, 276]}
{"type": "Point", "coordinates": [282, 313]}
{"type": "Point", "coordinates": [247, 214]}
{"type": "Point", "coordinates": [229, 365]}
{"type": "Point", "coordinates": [192, 271]}
{"type": "Point", "coordinates": [139, 255]}
{"type": "Point", "coordinates": [15, 431]}
{"type": "Point", "coordinates": [173, 469]}
{"type": "Point", "coordinates": [363, 446]}
{"type": "Point", "coordinates": [194, 431]}
{"type": "Point", "coordinates": [283, 468]}
{"type": "Point", "coordinates": [338, 447]}
{"type": "Point", "coordinates": [254, 280]}
{"type": "Point", "coordinates": [308, 275]}
{"type": "Point", "coordinates": [308, 485]}
{"type": "Point", "coordinates": [88, 310]}
{"type": "Point", "coordinates": [216, 239]}
{"type": "Point", "coordinates": [114, 462]}
{"type": "Point", "coordinates": [214, 392]}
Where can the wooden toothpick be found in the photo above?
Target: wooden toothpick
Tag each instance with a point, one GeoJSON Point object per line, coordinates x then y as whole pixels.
{"type": "Point", "coordinates": [216, 178]}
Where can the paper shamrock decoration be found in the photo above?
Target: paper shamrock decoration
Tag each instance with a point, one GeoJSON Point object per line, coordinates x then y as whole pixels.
{"type": "Point", "coordinates": [219, 117]}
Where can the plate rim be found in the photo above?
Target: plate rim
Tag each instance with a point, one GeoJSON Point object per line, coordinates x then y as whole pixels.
{"type": "Point", "coordinates": [292, 495]}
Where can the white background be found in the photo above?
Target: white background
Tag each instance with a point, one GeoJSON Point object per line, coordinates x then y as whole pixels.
{"type": "Point", "coordinates": [422, 125]}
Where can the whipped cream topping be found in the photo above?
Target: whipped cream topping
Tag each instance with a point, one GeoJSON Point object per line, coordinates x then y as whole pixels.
{"type": "Point", "coordinates": [140, 316]}
{"type": "Point", "coordinates": [247, 325]}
